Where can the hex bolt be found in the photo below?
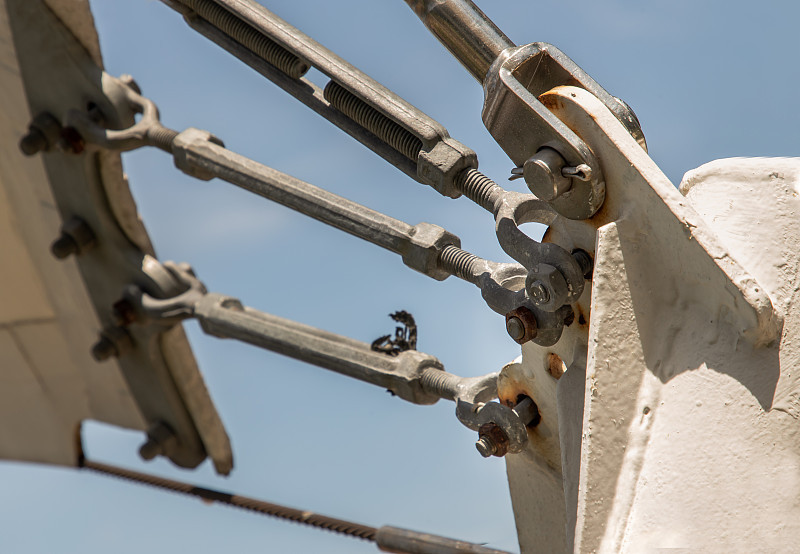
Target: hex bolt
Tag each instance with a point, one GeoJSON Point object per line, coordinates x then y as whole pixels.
{"type": "Point", "coordinates": [104, 349]}
{"type": "Point", "coordinates": [547, 287]}
{"type": "Point", "coordinates": [43, 133]}
{"type": "Point", "coordinates": [150, 449]}
{"type": "Point", "coordinates": [113, 342]}
{"type": "Point", "coordinates": [539, 293]}
{"type": "Point", "coordinates": [33, 142]}
{"type": "Point", "coordinates": [543, 174]}
{"type": "Point", "coordinates": [76, 238]}
{"type": "Point", "coordinates": [486, 446]}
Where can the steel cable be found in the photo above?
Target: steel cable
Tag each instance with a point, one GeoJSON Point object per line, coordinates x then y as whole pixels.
{"type": "Point", "coordinates": [267, 508]}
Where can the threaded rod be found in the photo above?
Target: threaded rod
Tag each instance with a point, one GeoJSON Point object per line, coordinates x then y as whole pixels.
{"type": "Point", "coordinates": [459, 262]}
{"type": "Point", "coordinates": [162, 137]}
{"type": "Point", "coordinates": [372, 120]}
{"type": "Point", "coordinates": [440, 383]}
{"type": "Point", "coordinates": [479, 188]}
{"type": "Point", "coordinates": [249, 37]}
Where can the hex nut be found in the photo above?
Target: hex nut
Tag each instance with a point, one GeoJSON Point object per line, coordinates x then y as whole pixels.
{"type": "Point", "coordinates": [425, 245]}
{"type": "Point", "coordinates": [185, 159]}
{"type": "Point", "coordinates": [439, 166]}
{"type": "Point", "coordinates": [528, 321]}
{"type": "Point", "coordinates": [550, 278]}
{"type": "Point", "coordinates": [491, 433]}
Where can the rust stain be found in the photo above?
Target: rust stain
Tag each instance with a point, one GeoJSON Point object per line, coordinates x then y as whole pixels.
{"type": "Point", "coordinates": [555, 365]}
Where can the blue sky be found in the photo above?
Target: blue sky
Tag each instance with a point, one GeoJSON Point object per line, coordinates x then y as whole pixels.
{"type": "Point", "coordinates": [708, 79]}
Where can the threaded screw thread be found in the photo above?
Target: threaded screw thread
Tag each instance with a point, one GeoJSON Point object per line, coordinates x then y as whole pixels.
{"type": "Point", "coordinates": [459, 262]}
{"type": "Point", "coordinates": [250, 37]}
{"type": "Point", "coordinates": [162, 137]}
{"type": "Point", "coordinates": [390, 132]}
{"type": "Point", "coordinates": [478, 187]}
{"type": "Point", "coordinates": [440, 383]}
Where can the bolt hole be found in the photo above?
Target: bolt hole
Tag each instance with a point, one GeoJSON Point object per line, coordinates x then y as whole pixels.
{"type": "Point", "coordinates": [555, 365]}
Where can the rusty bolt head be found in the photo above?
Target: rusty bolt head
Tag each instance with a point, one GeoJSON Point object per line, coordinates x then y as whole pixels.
{"type": "Point", "coordinates": [124, 312]}
{"type": "Point", "coordinates": [521, 319]}
{"type": "Point", "coordinates": [492, 441]}
{"type": "Point", "coordinates": [72, 141]}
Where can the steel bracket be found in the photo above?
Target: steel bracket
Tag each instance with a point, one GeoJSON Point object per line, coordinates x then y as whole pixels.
{"type": "Point", "coordinates": [522, 125]}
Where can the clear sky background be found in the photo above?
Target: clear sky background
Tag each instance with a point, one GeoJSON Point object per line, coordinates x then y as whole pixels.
{"type": "Point", "coordinates": [707, 78]}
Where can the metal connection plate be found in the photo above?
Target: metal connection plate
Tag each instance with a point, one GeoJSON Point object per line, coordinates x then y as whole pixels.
{"type": "Point", "coordinates": [51, 311]}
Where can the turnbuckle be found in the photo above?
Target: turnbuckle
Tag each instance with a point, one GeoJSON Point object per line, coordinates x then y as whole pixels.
{"type": "Point", "coordinates": [414, 376]}
{"type": "Point", "coordinates": [396, 130]}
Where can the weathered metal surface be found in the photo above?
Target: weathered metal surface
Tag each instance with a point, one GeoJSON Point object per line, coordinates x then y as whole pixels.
{"type": "Point", "coordinates": [682, 360]}
{"type": "Point", "coordinates": [60, 307]}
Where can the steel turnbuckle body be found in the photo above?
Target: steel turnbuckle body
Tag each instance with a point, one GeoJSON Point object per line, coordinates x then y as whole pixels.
{"type": "Point", "coordinates": [413, 376]}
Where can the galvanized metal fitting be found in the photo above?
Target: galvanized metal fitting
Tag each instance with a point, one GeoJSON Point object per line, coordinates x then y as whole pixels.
{"type": "Point", "coordinates": [547, 287]}
{"type": "Point", "coordinates": [440, 166]}
{"type": "Point", "coordinates": [425, 245]}
{"type": "Point", "coordinates": [183, 150]}
{"type": "Point", "coordinates": [521, 325]}
{"type": "Point", "coordinates": [544, 176]}
{"type": "Point", "coordinates": [76, 238]}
